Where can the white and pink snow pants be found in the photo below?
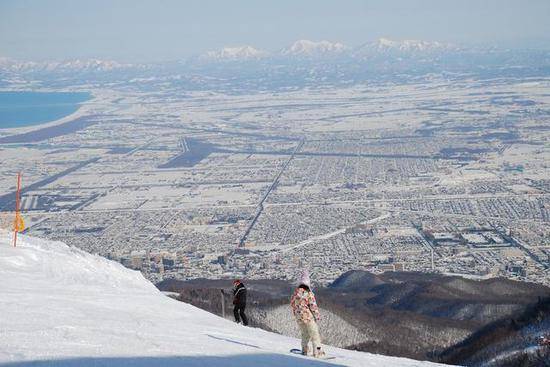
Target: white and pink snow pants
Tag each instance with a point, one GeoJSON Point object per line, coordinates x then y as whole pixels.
{"type": "Point", "coordinates": [310, 332]}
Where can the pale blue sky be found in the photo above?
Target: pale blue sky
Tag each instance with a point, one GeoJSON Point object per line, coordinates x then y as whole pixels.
{"type": "Point", "coordinates": [147, 30]}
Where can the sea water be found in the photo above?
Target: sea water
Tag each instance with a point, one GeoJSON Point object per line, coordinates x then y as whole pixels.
{"type": "Point", "coordinates": [18, 109]}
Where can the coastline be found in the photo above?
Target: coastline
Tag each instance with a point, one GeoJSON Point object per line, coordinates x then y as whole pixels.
{"type": "Point", "coordinates": [84, 108]}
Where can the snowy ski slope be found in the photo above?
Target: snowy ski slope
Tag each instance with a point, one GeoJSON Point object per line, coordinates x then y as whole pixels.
{"type": "Point", "coordinates": [60, 306]}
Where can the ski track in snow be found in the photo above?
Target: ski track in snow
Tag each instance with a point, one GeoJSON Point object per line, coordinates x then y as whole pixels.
{"type": "Point", "coordinates": [63, 307]}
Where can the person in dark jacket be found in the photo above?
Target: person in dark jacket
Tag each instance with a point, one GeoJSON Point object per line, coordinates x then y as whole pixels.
{"type": "Point", "coordinates": [239, 302]}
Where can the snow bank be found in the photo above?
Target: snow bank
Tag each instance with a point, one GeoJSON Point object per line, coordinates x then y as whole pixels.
{"type": "Point", "coordinates": [63, 307]}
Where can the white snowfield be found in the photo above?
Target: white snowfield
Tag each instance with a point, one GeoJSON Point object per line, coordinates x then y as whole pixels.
{"type": "Point", "coordinates": [60, 306]}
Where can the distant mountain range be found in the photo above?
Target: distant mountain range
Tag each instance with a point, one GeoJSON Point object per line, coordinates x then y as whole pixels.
{"type": "Point", "coordinates": [234, 53]}
{"type": "Point", "coordinates": [7, 64]}
{"type": "Point", "coordinates": [406, 47]}
{"type": "Point", "coordinates": [303, 63]}
{"type": "Point", "coordinates": [324, 49]}
{"type": "Point", "coordinates": [314, 49]}
{"type": "Point", "coordinates": [299, 49]}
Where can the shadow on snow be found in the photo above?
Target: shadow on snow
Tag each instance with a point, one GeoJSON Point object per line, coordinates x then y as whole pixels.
{"type": "Point", "coordinates": [239, 360]}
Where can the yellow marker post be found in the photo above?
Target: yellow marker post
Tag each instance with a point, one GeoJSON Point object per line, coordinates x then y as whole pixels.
{"type": "Point", "coordinates": [18, 223]}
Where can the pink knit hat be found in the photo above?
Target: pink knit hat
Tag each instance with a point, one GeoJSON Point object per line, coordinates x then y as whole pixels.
{"type": "Point", "coordinates": [304, 279]}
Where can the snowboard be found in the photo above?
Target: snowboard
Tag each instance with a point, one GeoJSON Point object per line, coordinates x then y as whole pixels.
{"type": "Point", "coordinates": [299, 351]}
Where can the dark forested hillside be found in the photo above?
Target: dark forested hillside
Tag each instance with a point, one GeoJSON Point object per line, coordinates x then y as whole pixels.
{"type": "Point", "coordinates": [406, 314]}
{"type": "Point", "coordinates": [510, 341]}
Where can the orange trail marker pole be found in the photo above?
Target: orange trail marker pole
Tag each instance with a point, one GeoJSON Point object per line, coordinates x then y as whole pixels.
{"type": "Point", "coordinates": [17, 203]}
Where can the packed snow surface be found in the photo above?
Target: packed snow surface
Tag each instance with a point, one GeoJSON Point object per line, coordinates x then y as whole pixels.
{"type": "Point", "coordinates": [61, 306]}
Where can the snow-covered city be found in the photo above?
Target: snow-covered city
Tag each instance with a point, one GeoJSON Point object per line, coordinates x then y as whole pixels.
{"type": "Point", "coordinates": [393, 165]}
{"type": "Point", "coordinates": [424, 176]}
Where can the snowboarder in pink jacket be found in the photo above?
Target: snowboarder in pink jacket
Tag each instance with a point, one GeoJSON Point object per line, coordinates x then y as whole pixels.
{"type": "Point", "coordinates": [305, 310]}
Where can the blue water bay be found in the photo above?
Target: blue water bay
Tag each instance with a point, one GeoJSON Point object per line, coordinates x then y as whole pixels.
{"type": "Point", "coordinates": [18, 109]}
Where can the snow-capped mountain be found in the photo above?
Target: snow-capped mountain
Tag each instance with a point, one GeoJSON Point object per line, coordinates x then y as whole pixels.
{"type": "Point", "coordinates": [61, 306]}
{"type": "Point", "coordinates": [234, 54]}
{"type": "Point", "coordinates": [307, 48]}
{"type": "Point", "coordinates": [387, 46]}
{"type": "Point", "coordinates": [89, 65]}
{"type": "Point", "coordinates": [5, 62]}
{"type": "Point", "coordinates": [77, 65]}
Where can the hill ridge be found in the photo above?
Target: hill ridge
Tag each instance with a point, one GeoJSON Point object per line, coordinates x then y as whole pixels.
{"type": "Point", "coordinates": [64, 307]}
